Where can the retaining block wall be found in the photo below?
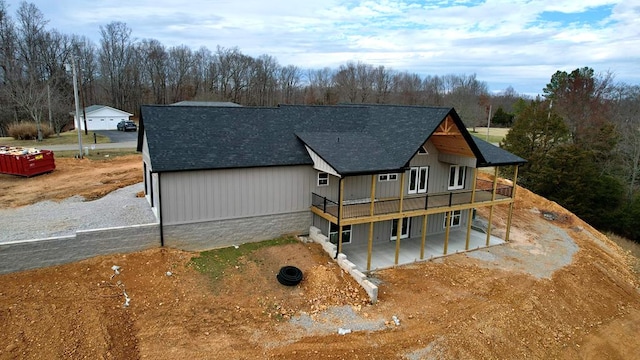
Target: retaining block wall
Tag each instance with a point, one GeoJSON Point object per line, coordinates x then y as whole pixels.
{"type": "Point", "coordinates": [31, 254]}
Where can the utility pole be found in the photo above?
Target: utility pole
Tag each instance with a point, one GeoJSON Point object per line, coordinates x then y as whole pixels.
{"type": "Point", "coordinates": [49, 106]}
{"type": "Point", "coordinates": [488, 123]}
{"type": "Point", "coordinates": [75, 96]}
{"type": "Point", "coordinates": [84, 111]}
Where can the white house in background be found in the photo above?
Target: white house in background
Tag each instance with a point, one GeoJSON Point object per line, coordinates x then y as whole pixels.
{"type": "Point", "coordinates": [101, 117]}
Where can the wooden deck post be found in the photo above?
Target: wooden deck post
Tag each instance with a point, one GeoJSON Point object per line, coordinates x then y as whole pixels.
{"type": "Point", "coordinates": [373, 194]}
{"type": "Point", "coordinates": [446, 232]}
{"type": "Point", "coordinates": [493, 198]}
{"type": "Point", "coordinates": [399, 227]}
{"type": "Point", "coordinates": [340, 198]}
{"type": "Point", "coordinates": [371, 211]}
{"type": "Point", "coordinates": [401, 191]}
{"type": "Point", "coordinates": [473, 199]}
{"type": "Point", "coordinates": [398, 232]}
{"type": "Point", "coordinates": [370, 246]}
{"type": "Point", "coordinates": [513, 200]}
{"type": "Point", "coordinates": [424, 236]}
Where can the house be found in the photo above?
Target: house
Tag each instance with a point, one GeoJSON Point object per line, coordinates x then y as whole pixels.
{"type": "Point", "coordinates": [367, 176]}
{"type": "Point", "coordinates": [101, 117]}
{"type": "Point", "coordinates": [206, 103]}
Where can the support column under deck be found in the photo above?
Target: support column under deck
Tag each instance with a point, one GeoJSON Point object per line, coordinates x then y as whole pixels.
{"type": "Point", "coordinates": [513, 198]}
{"type": "Point", "coordinates": [473, 199]}
{"type": "Point", "coordinates": [493, 198]}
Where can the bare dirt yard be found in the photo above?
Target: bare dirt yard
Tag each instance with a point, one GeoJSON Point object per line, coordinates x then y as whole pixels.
{"type": "Point", "coordinates": [559, 290]}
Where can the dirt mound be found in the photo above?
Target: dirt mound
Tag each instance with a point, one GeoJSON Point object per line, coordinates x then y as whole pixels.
{"type": "Point", "coordinates": [559, 289]}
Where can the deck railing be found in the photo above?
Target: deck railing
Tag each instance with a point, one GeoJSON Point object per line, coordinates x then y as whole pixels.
{"type": "Point", "coordinates": [353, 208]}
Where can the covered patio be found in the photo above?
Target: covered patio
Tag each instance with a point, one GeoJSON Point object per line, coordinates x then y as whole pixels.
{"type": "Point", "coordinates": [383, 253]}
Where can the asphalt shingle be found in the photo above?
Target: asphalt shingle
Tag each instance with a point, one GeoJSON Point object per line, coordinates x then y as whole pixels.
{"type": "Point", "coordinates": [354, 139]}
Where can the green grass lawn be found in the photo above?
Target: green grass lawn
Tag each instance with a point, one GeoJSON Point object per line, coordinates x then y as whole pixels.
{"type": "Point", "coordinates": [96, 154]}
{"type": "Point", "coordinates": [69, 137]}
{"type": "Point", "coordinates": [214, 262]}
{"type": "Point", "coordinates": [495, 134]}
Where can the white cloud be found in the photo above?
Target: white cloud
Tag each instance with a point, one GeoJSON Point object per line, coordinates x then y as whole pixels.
{"type": "Point", "coordinates": [504, 42]}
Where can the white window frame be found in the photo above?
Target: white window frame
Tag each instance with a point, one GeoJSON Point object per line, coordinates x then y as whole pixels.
{"type": "Point", "coordinates": [323, 179]}
{"type": "Point", "coordinates": [457, 176]}
{"type": "Point", "coordinates": [403, 235]}
{"type": "Point", "coordinates": [333, 233]}
{"type": "Point", "coordinates": [387, 177]}
{"type": "Point", "coordinates": [455, 219]}
{"type": "Point", "coordinates": [419, 183]}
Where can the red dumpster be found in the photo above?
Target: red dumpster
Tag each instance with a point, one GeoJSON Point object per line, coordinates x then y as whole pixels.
{"type": "Point", "coordinates": [25, 161]}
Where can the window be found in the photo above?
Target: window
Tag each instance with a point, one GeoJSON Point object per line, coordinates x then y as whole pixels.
{"type": "Point", "coordinates": [456, 177]}
{"type": "Point", "coordinates": [333, 233]}
{"type": "Point", "coordinates": [418, 179]}
{"type": "Point", "coordinates": [455, 219]}
{"type": "Point", "coordinates": [323, 179]}
{"type": "Point", "coordinates": [387, 177]}
{"type": "Point", "coordinates": [404, 232]}
{"type": "Point", "coordinates": [423, 151]}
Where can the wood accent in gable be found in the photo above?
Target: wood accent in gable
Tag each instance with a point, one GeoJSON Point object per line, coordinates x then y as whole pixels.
{"type": "Point", "coordinates": [448, 139]}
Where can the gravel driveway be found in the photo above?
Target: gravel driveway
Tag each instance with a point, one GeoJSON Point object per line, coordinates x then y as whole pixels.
{"type": "Point", "coordinates": [48, 218]}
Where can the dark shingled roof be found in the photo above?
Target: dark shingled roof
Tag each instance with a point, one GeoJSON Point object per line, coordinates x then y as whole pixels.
{"type": "Point", "coordinates": [353, 139]}
{"type": "Point", "coordinates": [496, 156]}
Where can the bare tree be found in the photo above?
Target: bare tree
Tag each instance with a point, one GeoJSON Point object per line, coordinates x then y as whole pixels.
{"type": "Point", "coordinates": [346, 83]}
{"type": "Point", "coordinates": [179, 68]}
{"type": "Point", "coordinates": [627, 120]}
{"type": "Point", "coordinates": [115, 58]}
{"type": "Point", "coordinates": [28, 80]}
{"type": "Point", "coordinates": [289, 80]}
{"type": "Point", "coordinates": [320, 89]}
{"type": "Point", "coordinates": [381, 84]}
{"type": "Point", "coordinates": [264, 81]}
{"type": "Point", "coordinates": [407, 88]}
{"type": "Point", "coordinates": [154, 69]}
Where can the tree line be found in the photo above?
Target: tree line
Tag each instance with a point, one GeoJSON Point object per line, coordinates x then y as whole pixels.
{"type": "Point", "coordinates": [582, 143]}
{"type": "Point", "coordinates": [123, 72]}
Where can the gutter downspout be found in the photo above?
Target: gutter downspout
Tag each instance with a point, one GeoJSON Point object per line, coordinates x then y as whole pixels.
{"type": "Point", "coordinates": [339, 220]}
{"type": "Point", "coordinates": [160, 209]}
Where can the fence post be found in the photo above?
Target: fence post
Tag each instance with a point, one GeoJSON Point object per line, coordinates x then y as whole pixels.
{"type": "Point", "coordinates": [324, 208]}
{"type": "Point", "coordinates": [450, 198]}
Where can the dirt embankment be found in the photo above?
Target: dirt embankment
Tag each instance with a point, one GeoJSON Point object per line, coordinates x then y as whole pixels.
{"type": "Point", "coordinates": [586, 303]}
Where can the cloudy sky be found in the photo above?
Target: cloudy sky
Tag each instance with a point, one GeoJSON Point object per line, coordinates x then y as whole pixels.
{"type": "Point", "coordinates": [518, 43]}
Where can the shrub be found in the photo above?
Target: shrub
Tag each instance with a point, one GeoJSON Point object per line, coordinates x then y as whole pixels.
{"type": "Point", "coordinates": [28, 131]}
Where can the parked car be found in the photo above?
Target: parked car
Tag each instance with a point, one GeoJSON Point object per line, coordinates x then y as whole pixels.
{"type": "Point", "coordinates": [126, 125]}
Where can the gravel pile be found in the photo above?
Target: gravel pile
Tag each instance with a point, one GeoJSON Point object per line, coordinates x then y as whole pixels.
{"type": "Point", "coordinates": [48, 219]}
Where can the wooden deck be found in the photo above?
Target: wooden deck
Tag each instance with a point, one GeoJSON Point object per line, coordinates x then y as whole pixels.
{"type": "Point", "coordinates": [413, 203]}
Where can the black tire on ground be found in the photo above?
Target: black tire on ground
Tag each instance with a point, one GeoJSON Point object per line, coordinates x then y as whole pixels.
{"type": "Point", "coordinates": [289, 276]}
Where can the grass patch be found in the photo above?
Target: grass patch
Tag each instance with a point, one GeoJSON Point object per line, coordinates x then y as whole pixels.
{"type": "Point", "coordinates": [214, 262]}
{"type": "Point", "coordinates": [629, 246]}
{"type": "Point", "coordinates": [495, 134]}
{"type": "Point", "coordinates": [65, 138]}
{"type": "Point", "coordinates": [96, 154]}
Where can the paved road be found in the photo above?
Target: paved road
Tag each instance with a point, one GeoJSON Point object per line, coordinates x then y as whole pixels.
{"type": "Point", "coordinates": [119, 136]}
{"type": "Point", "coordinates": [92, 146]}
{"type": "Point", "coordinates": [119, 140]}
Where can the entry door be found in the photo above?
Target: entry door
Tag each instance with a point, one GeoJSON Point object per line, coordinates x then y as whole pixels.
{"type": "Point", "coordinates": [404, 232]}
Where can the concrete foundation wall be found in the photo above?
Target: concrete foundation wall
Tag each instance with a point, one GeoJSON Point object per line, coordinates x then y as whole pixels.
{"type": "Point", "coordinates": [215, 234]}
{"type": "Point", "coordinates": [31, 254]}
